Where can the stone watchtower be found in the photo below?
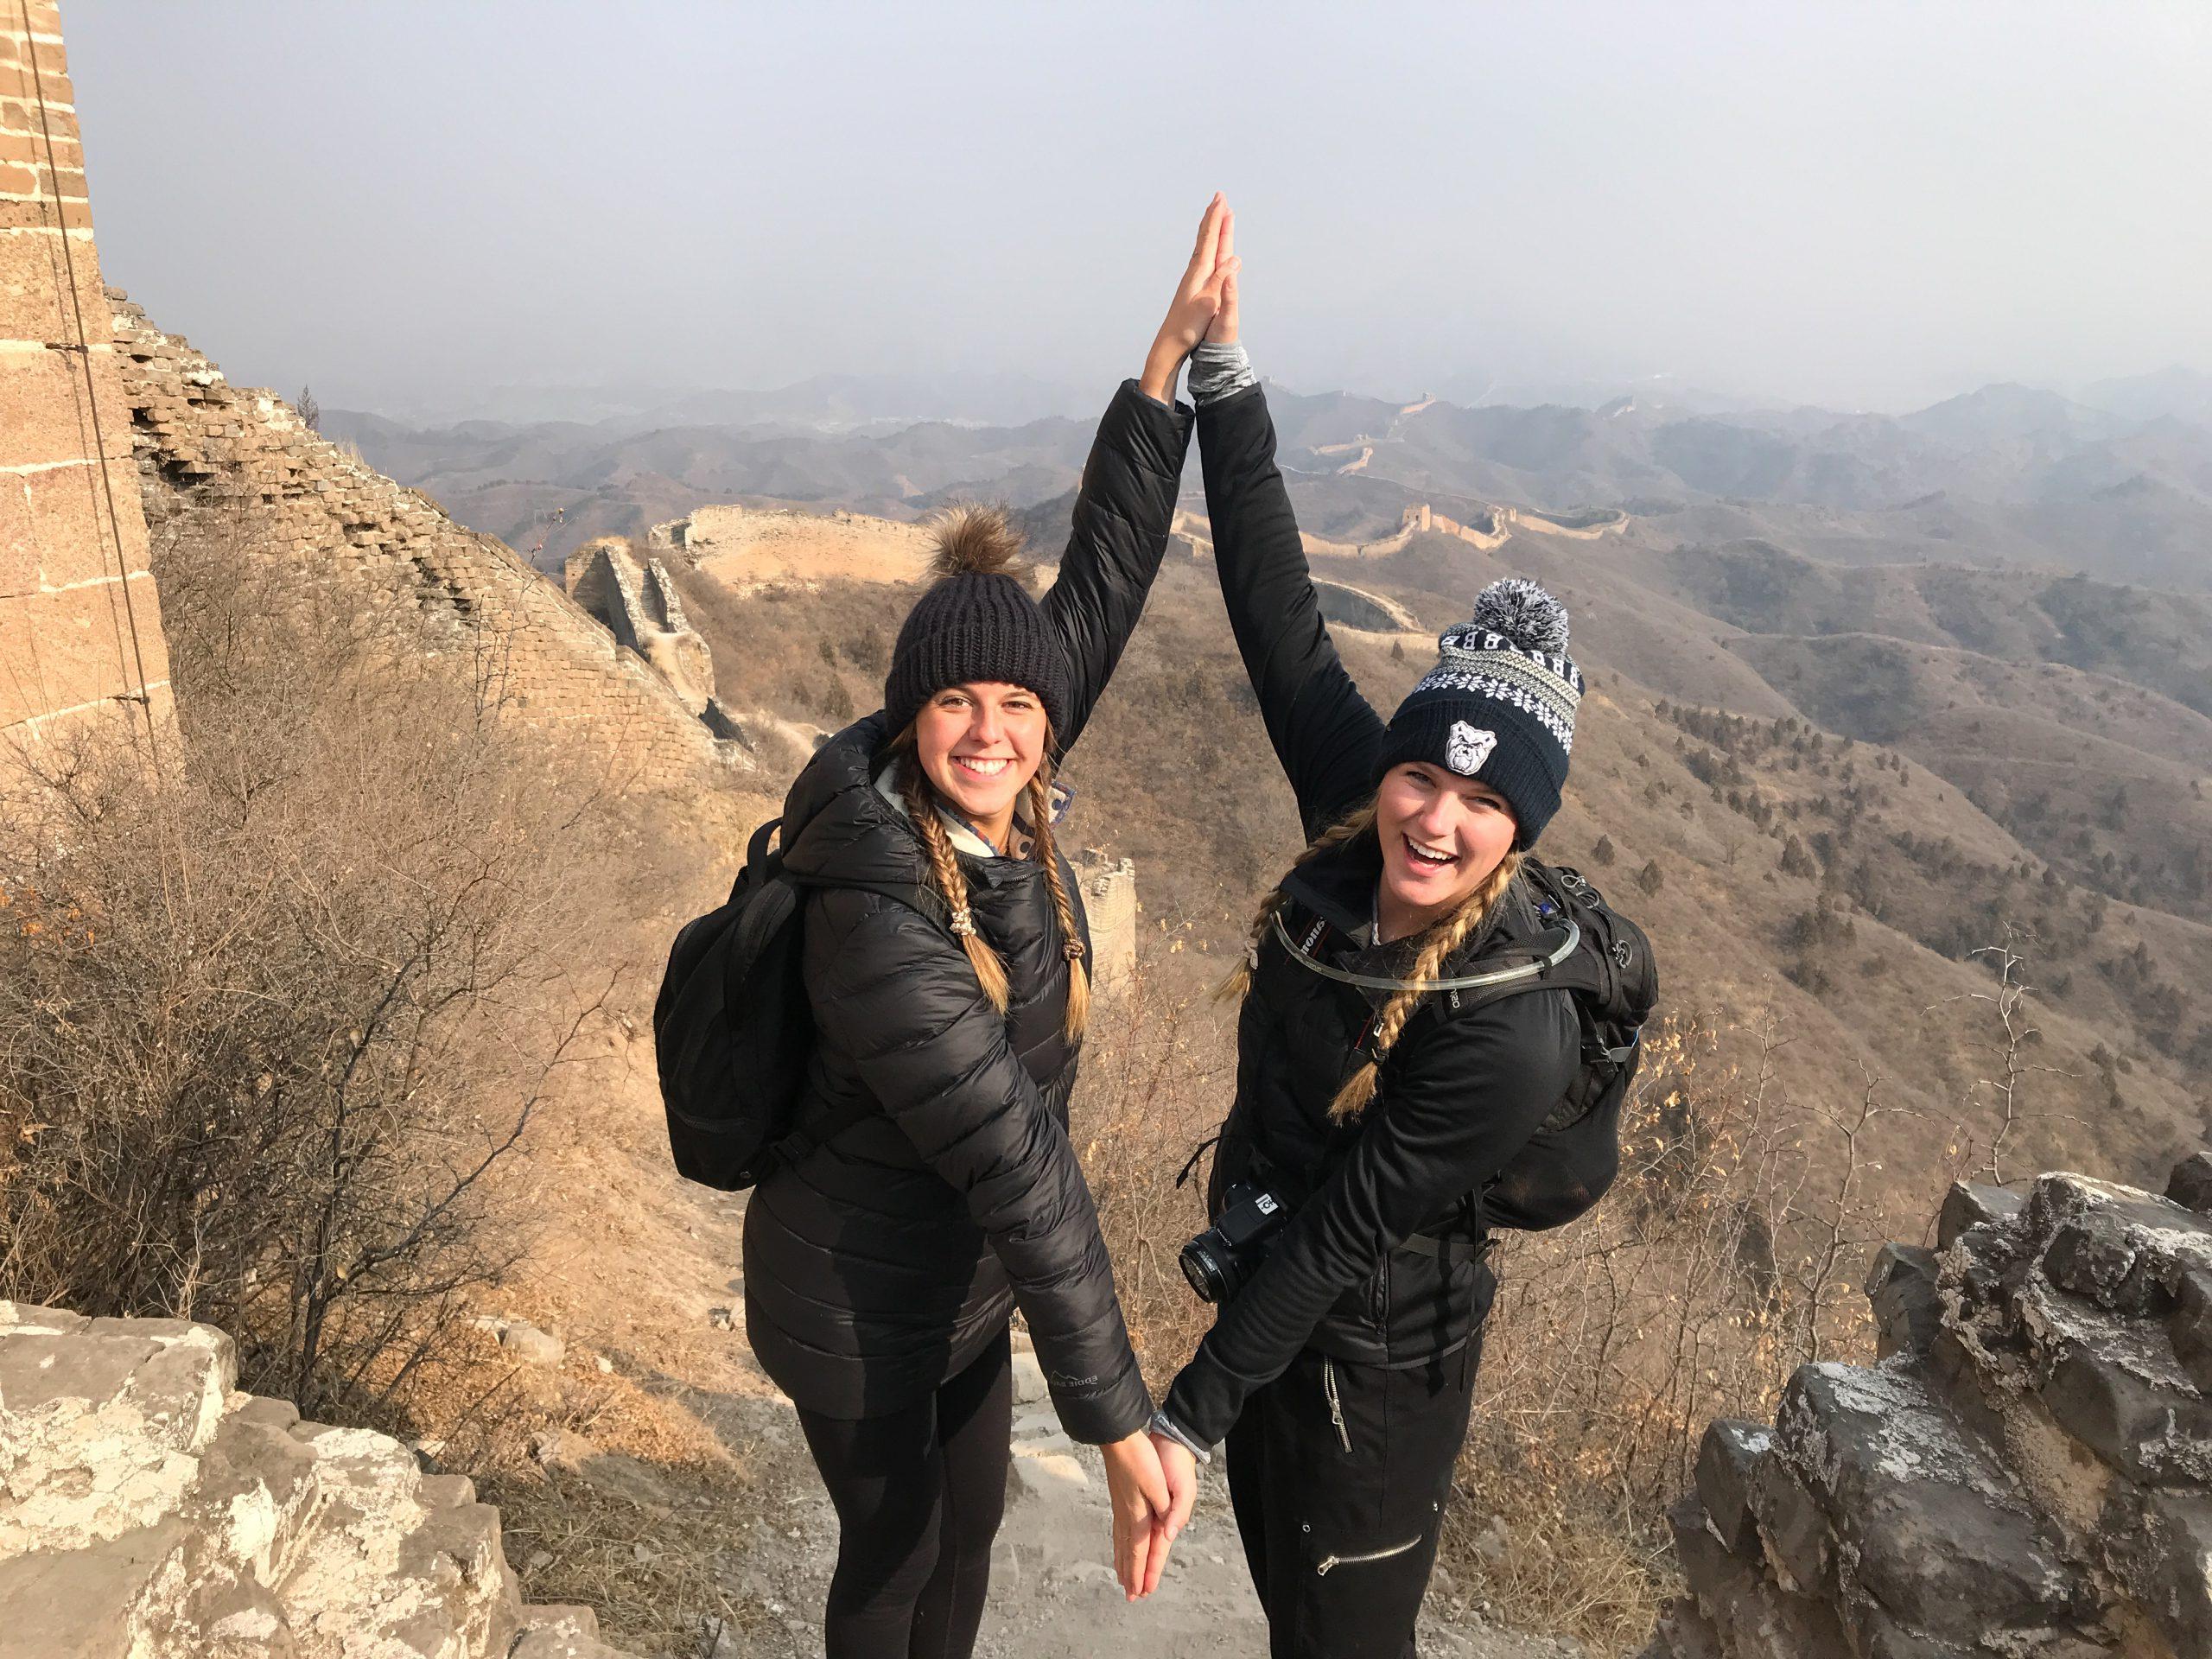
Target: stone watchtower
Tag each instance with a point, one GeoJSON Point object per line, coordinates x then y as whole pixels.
{"type": "Point", "coordinates": [80, 627]}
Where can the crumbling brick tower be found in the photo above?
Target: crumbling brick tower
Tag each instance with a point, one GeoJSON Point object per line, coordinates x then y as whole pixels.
{"type": "Point", "coordinates": [81, 631]}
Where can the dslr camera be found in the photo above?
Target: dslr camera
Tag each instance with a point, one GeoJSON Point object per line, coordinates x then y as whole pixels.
{"type": "Point", "coordinates": [1219, 1259]}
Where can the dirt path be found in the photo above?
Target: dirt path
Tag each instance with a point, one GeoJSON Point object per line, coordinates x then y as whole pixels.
{"type": "Point", "coordinates": [1053, 1592]}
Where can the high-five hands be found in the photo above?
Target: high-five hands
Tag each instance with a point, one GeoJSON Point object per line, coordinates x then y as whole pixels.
{"type": "Point", "coordinates": [1197, 302]}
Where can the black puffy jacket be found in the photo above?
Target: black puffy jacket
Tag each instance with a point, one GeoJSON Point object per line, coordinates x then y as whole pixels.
{"type": "Point", "coordinates": [1460, 1093]}
{"type": "Point", "coordinates": [882, 1262]}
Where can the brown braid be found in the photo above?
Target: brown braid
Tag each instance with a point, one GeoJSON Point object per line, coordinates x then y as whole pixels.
{"type": "Point", "coordinates": [1232, 988]}
{"type": "Point", "coordinates": [1441, 938]}
{"type": "Point", "coordinates": [921, 807]}
{"type": "Point", "coordinates": [1040, 848]}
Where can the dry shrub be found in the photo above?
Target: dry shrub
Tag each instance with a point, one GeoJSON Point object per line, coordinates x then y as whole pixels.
{"type": "Point", "coordinates": [1156, 1082]}
{"type": "Point", "coordinates": [1730, 1250]}
{"type": "Point", "coordinates": [271, 1017]}
{"type": "Point", "coordinates": [609, 1493]}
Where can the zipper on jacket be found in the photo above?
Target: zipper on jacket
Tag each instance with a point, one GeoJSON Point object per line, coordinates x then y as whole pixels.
{"type": "Point", "coordinates": [1336, 1412]}
{"type": "Point", "coordinates": [1328, 1563]}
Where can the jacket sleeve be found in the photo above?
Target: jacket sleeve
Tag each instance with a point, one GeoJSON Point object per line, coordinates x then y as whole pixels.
{"type": "Point", "coordinates": [1122, 515]}
{"type": "Point", "coordinates": [1324, 733]}
{"type": "Point", "coordinates": [900, 997]}
{"type": "Point", "coordinates": [1465, 1099]}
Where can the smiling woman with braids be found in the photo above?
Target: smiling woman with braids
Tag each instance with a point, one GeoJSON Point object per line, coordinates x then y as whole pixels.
{"type": "Point", "coordinates": [881, 1268]}
{"type": "Point", "coordinates": [1384, 1119]}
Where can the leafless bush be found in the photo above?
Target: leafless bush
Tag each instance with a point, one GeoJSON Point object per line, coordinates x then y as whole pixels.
{"type": "Point", "coordinates": [1156, 1082]}
{"type": "Point", "coordinates": [1730, 1252]}
{"type": "Point", "coordinates": [271, 1022]}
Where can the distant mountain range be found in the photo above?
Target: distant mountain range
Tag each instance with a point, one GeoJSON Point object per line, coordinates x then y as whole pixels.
{"type": "Point", "coordinates": [2119, 488]}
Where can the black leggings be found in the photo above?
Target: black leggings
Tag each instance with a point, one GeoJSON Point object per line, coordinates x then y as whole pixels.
{"type": "Point", "coordinates": [920, 1494]}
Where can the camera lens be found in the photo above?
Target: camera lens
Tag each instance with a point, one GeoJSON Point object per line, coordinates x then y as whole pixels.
{"type": "Point", "coordinates": [1205, 1274]}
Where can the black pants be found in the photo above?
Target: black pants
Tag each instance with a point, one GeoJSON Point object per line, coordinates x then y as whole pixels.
{"type": "Point", "coordinates": [920, 1494]}
{"type": "Point", "coordinates": [1339, 1473]}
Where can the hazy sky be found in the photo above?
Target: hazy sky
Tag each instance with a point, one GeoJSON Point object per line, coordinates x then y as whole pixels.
{"type": "Point", "coordinates": [1852, 203]}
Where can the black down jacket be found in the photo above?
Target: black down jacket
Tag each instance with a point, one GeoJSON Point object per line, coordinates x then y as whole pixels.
{"type": "Point", "coordinates": [1460, 1093]}
{"type": "Point", "coordinates": [881, 1263]}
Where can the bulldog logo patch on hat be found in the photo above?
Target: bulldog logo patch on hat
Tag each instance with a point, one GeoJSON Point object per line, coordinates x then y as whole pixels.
{"type": "Point", "coordinates": [1466, 749]}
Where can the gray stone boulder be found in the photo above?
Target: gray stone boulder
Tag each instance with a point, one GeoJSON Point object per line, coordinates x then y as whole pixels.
{"type": "Point", "coordinates": [149, 1510]}
{"type": "Point", "coordinates": [2025, 1472]}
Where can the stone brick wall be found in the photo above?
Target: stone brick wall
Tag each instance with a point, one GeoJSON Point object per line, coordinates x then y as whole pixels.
{"type": "Point", "coordinates": [204, 446]}
{"type": "Point", "coordinates": [639, 606]}
{"type": "Point", "coordinates": [80, 626]}
{"type": "Point", "coordinates": [150, 1508]}
{"type": "Point", "coordinates": [2027, 1471]}
{"type": "Point", "coordinates": [1109, 905]}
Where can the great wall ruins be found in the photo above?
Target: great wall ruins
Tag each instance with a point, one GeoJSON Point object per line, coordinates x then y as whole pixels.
{"type": "Point", "coordinates": [206, 447]}
{"type": "Point", "coordinates": [151, 1509]}
{"type": "Point", "coordinates": [80, 622]}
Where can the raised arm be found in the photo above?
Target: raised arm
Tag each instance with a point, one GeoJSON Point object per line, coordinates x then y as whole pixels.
{"type": "Point", "coordinates": [1127, 502]}
{"type": "Point", "coordinates": [1326, 733]}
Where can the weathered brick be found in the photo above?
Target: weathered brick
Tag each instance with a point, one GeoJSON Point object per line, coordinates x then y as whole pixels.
{"type": "Point", "coordinates": [61, 151]}
{"type": "Point", "coordinates": [49, 410]}
{"type": "Point", "coordinates": [62, 516]}
{"type": "Point", "coordinates": [45, 214]}
{"type": "Point", "coordinates": [33, 289]}
{"type": "Point", "coordinates": [62, 649]}
{"type": "Point", "coordinates": [17, 179]}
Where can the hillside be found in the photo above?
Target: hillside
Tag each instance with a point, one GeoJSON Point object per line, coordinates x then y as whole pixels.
{"type": "Point", "coordinates": [1799, 873]}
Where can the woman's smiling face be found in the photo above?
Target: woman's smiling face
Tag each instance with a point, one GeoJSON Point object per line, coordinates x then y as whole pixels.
{"type": "Point", "coordinates": [980, 744]}
{"type": "Point", "coordinates": [1442, 834]}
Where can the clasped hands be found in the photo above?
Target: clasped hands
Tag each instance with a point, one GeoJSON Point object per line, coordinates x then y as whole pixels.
{"type": "Point", "coordinates": [1153, 1481]}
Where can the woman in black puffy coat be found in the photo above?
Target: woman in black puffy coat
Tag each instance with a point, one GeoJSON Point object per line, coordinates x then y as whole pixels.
{"type": "Point", "coordinates": [882, 1269]}
{"type": "Point", "coordinates": [1392, 1122]}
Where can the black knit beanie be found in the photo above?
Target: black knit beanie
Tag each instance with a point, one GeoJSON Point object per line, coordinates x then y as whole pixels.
{"type": "Point", "coordinates": [1500, 706]}
{"type": "Point", "coordinates": [976, 622]}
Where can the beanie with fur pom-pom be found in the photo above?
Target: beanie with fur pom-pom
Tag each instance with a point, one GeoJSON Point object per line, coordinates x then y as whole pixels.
{"type": "Point", "coordinates": [977, 622]}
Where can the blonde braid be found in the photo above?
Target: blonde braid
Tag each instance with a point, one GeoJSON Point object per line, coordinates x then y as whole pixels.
{"type": "Point", "coordinates": [1232, 988]}
{"type": "Point", "coordinates": [1443, 938]}
{"type": "Point", "coordinates": [1040, 848]}
{"type": "Point", "coordinates": [921, 807]}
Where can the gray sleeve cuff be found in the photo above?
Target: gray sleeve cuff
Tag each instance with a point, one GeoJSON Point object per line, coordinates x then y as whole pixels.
{"type": "Point", "coordinates": [1219, 371]}
{"type": "Point", "coordinates": [1163, 1424]}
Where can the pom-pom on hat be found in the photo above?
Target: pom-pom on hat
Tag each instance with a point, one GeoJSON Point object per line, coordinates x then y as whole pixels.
{"type": "Point", "coordinates": [1500, 706]}
{"type": "Point", "coordinates": [977, 621]}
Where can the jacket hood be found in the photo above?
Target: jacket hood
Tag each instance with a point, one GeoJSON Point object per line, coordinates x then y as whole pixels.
{"type": "Point", "coordinates": [837, 824]}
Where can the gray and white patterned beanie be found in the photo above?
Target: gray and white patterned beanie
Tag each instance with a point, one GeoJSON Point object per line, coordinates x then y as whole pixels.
{"type": "Point", "coordinates": [1500, 706]}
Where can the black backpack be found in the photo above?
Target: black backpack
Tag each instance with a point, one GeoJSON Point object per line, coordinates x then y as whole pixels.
{"type": "Point", "coordinates": [1572, 1160]}
{"type": "Point", "coordinates": [732, 1029]}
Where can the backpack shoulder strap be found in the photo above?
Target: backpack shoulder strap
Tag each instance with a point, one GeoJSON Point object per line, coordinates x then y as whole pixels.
{"type": "Point", "coordinates": [911, 894]}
